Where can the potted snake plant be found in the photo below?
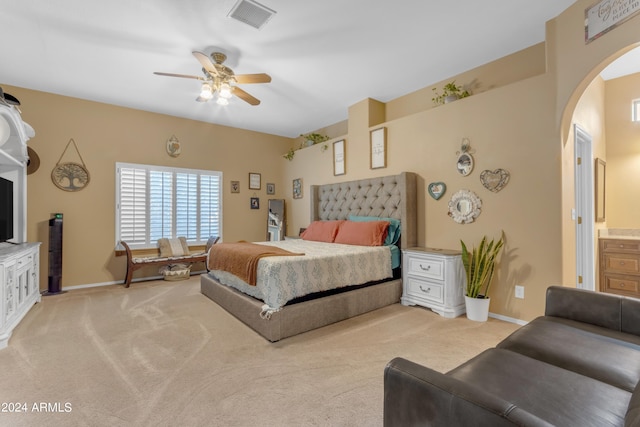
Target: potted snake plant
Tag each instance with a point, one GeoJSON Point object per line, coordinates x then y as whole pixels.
{"type": "Point", "coordinates": [479, 265]}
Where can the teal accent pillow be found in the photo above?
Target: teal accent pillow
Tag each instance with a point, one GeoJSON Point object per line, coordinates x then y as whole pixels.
{"type": "Point", "coordinates": [393, 233]}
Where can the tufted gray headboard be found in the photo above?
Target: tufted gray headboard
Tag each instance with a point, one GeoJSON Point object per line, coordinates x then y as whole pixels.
{"type": "Point", "coordinates": [391, 196]}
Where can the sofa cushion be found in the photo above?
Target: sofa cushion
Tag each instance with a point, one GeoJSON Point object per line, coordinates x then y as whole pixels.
{"type": "Point", "coordinates": [633, 413]}
{"type": "Point", "coordinates": [558, 396]}
{"type": "Point", "coordinates": [593, 351]}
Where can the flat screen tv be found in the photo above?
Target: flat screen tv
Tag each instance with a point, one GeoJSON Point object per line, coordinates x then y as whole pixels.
{"type": "Point", "coordinates": [6, 210]}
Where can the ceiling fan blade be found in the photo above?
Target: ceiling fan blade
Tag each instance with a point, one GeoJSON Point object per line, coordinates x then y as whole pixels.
{"type": "Point", "coordinates": [201, 99]}
{"type": "Point", "coordinates": [252, 78]}
{"type": "Point", "coordinates": [245, 96]}
{"type": "Point", "coordinates": [205, 62]}
{"type": "Point", "coordinates": [186, 76]}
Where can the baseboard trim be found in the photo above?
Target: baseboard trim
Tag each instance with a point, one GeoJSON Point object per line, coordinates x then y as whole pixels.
{"type": "Point", "coordinates": [119, 282]}
{"type": "Point", "coordinates": [508, 319]}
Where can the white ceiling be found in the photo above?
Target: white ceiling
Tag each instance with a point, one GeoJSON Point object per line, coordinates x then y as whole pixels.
{"type": "Point", "coordinates": [323, 56]}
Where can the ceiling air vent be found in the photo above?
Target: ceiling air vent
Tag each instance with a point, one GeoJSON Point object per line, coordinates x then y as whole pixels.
{"type": "Point", "coordinates": [251, 13]}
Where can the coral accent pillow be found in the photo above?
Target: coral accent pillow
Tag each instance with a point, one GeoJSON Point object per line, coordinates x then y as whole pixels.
{"type": "Point", "coordinates": [393, 233]}
{"type": "Point", "coordinates": [322, 231]}
{"type": "Point", "coordinates": [369, 233]}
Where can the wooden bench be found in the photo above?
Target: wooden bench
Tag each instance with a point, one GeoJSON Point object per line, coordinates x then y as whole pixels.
{"type": "Point", "coordinates": [134, 263]}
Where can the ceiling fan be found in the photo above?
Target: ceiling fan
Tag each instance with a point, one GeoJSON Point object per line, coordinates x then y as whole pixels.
{"type": "Point", "coordinates": [219, 80]}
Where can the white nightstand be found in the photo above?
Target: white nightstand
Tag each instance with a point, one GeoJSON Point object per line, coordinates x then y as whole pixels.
{"type": "Point", "coordinates": [433, 278]}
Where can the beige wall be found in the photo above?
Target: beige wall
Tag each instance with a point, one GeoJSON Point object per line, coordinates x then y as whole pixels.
{"type": "Point", "coordinates": [108, 134]}
{"type": "Point", "coordinates": [623, 154]}
{"type": "Point", "coordinates": [426, 143]}
{"type": "Point", "coordinates": [518, 119]}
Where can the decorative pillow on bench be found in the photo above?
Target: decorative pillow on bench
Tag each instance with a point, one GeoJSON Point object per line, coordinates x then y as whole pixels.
{"type": "Point", "coordinates": [173, 247]}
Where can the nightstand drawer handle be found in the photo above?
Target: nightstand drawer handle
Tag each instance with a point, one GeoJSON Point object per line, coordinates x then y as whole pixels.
{"type": "Point", "coordinates": [425, 269]}
{"type": "Point", "coordinates": [621, 262]}
{"type": "Point", "coordinates": [622, 284]}
{"type": "Point", "coordinates": [428, 290]}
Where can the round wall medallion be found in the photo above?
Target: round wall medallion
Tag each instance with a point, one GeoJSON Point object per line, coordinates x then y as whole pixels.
{"type": "Point", "coordinates": [464, 206]}
{"type": "Point", "coordinates": [34, 161]}
{"type": "Point", "coordinates": [70, 176]}
{"type": "Point", "coordinates": [173, 147]}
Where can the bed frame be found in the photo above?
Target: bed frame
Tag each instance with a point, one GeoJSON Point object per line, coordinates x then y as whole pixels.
{"type": "Point", "coordinates": [385, 197]}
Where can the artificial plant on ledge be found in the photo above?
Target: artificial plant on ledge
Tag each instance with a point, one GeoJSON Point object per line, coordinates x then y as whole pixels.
{"type": "Point", "coordinates": [450, 92]}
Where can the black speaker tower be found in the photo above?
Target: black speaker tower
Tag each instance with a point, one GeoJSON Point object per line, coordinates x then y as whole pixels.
{"type": "Point", "coordinates": [55, 256]}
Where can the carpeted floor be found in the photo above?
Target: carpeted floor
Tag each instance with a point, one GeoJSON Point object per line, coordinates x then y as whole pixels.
{"type": "Point", "coordinates": [162, 354]}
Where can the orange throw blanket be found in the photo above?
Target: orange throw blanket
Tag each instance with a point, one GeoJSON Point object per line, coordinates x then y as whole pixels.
{"type": "Point", "coordinates": [241, 259]}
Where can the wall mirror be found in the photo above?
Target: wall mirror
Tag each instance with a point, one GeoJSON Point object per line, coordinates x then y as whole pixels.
{"type": "Point", "coordinates": [464, 206]}
{"type": "Point", "coordinates": [464, 164]}
{"type": "Point", "coordinates": [275, 220]}
{"type": "Point", "coordinates": [600, 189]}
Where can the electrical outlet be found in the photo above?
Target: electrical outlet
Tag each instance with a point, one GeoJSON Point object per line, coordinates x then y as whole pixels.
{"type": "Point", "coordinates": [519, 291]}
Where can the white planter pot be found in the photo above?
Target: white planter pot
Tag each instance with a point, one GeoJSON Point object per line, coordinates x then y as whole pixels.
{"type": "Point", "coordinates": [450, 98]}
{"type": "Point", "coordinates": [477, 308]}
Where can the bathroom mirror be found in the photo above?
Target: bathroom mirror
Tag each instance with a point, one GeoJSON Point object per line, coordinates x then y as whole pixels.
{"type": "Point", "coordinates": [600, 188]}
{"type": "Point", "coordinates": [464, 206]}
{"type": "Point", "coordinates": [275, 220]}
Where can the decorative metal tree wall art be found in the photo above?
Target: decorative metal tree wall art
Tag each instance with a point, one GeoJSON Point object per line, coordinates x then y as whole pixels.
{"type": "Point", "coordinates": [70, 176]}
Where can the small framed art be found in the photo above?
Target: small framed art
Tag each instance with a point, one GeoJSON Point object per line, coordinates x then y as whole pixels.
{"type": "Point", "coordinates": [254, 181]}
{"type": "Point", "coordinates": [255, 203]}
{"type": "Point", "coordinates": [297, 188]}
{"type": "Point", "coordinates": [271, 188]}
{"type": "Point", "coordinates": [339, 158]}
{"type": "Point", "coordinates": [378, 141]}
{"type": "Point", "coordinates": [235, 186]}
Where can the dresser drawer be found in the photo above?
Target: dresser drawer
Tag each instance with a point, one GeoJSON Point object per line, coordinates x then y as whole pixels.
{"type": "Point", "coordinates": [627, 285]}
{"type": "Point", "coordinates": [425, 267]}
{"type": "Point", "coordinates": [421, 289]}
{"type": "Point", "coordinates": [622, 263]}
{"type": "Point", "coordinates": [24, 261]}
{"type": "Point", "coordinates": [610, 245]}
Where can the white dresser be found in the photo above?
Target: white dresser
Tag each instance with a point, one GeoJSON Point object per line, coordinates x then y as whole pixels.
{"type": "Point", "coordinates": [433, 278]}
{"type": "Point", "coordinates": [19, 285]}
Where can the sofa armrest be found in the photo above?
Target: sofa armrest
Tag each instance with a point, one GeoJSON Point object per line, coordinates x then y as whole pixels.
{"type": "Point", "coordinates": [610, 311]}
{"type": "Point", "coordinates": [416, 395]}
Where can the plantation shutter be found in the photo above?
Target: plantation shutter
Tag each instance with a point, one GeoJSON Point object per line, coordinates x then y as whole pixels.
{"type": "Point", "coordinates": [156, 202]}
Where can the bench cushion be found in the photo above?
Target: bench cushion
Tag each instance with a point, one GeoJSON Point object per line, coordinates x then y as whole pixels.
{"type": "Point", "coordinates": [173, 247]}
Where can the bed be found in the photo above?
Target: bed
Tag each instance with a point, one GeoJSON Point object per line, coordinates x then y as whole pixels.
{"type": "Point", "coordinates": [384, 197]}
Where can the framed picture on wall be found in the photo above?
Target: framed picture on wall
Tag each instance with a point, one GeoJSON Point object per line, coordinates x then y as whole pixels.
{"type": "Point", "coordinates": [339, 158]}
{"type": "Point", "coordinates": [254, 181]}
{"type": "Point", "coordinates": [297, 188]}
{"type": "Point", "coordinates": [378, 141]}
{"type": "Point", "coordinates": [271, 188]}
{"type": "Point", "coordinates": [235, 186]}
{"type": "Point", "coordinates": [255, 203]}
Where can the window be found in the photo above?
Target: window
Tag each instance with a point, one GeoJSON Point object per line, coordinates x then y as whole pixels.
{"type": "Point", "coordinates": [154, 202]}
{"type": "Point", "coordinates": [635, 110]}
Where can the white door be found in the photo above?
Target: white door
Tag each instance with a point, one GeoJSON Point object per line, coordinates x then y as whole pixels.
{"type": "Point", "coordinates": [584, 217]}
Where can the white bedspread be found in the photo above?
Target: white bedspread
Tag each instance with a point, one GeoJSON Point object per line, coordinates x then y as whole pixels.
{"type": "Point", "coordinates": [324, 266]}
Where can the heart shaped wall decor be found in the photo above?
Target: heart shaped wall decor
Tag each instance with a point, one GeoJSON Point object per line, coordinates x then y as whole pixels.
{"type": "Point", "coordinates": [437, 189]}
{"type": "Point", "coordinates": [496, 180]}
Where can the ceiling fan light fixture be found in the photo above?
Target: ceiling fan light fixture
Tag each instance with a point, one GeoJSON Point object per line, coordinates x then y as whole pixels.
{"type": "Point", "coordinates": [222, 101]}
{"type": "Point", "coordinates": [206, 92]}
{"type": "Point", "coordinates": [225, 91]}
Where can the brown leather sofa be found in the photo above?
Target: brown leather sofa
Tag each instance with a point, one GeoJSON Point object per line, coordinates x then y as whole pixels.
{"type": "Point", "coordinates": [578, 365]}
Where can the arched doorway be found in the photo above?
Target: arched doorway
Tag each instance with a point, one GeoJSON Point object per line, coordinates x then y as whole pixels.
{"type": "Point", "coordinates": [591, 116]}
